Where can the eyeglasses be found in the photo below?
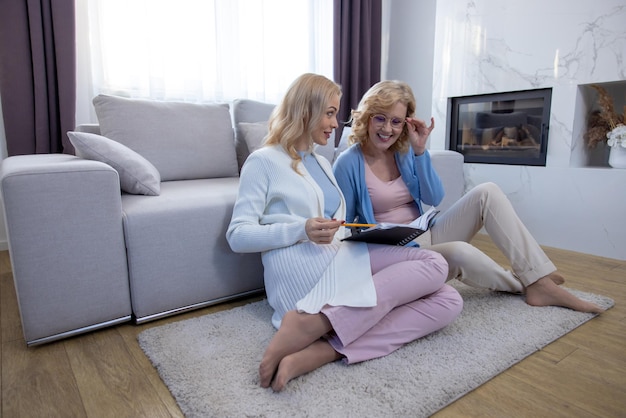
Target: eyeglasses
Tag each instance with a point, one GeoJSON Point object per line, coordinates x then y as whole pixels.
{"type": "Point", "coordinates": [381, 120]}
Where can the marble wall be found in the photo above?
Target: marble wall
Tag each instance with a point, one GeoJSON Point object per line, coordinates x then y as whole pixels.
{"type": "Point", "coordinates": [486, 46]}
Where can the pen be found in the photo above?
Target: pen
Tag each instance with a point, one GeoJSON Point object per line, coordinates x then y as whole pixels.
{"type": "Point", "coordinates": [359, 225]}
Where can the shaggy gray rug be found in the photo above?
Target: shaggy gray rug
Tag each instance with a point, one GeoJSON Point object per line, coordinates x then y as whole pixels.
{"type": "Point", "coordinates": [210, 363]}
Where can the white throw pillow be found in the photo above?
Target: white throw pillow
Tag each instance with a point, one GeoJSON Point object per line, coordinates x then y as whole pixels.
{"type": "Point", "coordinates": [137, 175]}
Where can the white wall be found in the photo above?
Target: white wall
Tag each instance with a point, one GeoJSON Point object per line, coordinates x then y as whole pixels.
{"type": "Point", "coordinates": [408, 48]}
{"type": "Point", "coordinates": [487, 46]}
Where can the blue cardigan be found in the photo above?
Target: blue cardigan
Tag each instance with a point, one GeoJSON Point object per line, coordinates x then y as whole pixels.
{"type": "Point", "coordinates": [417, 172]}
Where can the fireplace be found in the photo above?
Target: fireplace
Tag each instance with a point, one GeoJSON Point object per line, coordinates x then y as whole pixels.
{"type": "Point", "coordinates": [501, 128]}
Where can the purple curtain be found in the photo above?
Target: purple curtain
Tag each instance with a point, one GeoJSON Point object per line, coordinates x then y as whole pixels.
{"type": "Point", "coordinates": [357, 54]}
{"type": "Point", "coordinates": [37, 74]}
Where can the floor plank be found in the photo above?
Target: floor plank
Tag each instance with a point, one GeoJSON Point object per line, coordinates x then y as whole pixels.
{"type": "Point", "coordinates": [112, 384]}
{"type": "Point", "coordinates": [574, 379]}
{"type": "Point", "coordinates": [10, 322]}
{"type": "Point", "coordinates": [38, 382]}
{"type": "Point", "coordinates": [129, 334]}
{"type": "Point", "coordinates": [507, 396]}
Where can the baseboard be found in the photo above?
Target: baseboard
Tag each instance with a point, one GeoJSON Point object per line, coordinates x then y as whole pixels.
{"type": "Point", "coordinates": [4, 245]}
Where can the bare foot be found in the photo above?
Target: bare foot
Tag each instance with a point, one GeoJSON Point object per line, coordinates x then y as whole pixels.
{"type": "Point", "coordinates": [545, 292]}
{"type": "Point", "coordinates": [556, 278]}
{"type": "Point", "coordinates": [296, 331]}
{"type": "Point", "coordinates": [304, 361]}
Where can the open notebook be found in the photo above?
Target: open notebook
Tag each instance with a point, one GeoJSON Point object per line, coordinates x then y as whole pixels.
{"type": "Point", "coordinates": [394, 234]}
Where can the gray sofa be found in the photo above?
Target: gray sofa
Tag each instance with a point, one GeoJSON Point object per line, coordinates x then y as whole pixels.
{"type": "Point", "coordinates": [133, 227]}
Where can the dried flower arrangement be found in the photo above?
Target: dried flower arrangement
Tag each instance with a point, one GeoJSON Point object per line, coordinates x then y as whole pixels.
{"type": "Point", "coordinates": [603, 121]}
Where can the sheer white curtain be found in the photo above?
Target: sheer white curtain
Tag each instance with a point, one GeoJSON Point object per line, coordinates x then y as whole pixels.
{"type": "Point", "coordinates": [201, 50]}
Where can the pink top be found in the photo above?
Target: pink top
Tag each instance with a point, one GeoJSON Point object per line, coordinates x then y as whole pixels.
{"type": "Point", "coordinates": [391, 200]}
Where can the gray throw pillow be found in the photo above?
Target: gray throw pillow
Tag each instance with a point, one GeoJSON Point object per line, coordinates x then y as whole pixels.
{"type": "Point", "coordinates": [184, 141]}
{"type": "Point", "coordinates": [253, 134]}
{"type": "Point", "coordinates": [248, 111]}
{"type": "Point", "coordinates": [137, 175]}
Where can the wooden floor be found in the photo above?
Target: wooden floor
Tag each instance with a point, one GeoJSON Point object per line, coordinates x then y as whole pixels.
{"type": "Point", "coordinates": [105, 373]}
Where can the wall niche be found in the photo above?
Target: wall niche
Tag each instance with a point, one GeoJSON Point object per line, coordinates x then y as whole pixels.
{"type": "Point", "coordinates": [586, 103]}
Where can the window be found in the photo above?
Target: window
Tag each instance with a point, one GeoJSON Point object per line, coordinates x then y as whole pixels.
{"type": "Point", "coordinates": [203, 50]}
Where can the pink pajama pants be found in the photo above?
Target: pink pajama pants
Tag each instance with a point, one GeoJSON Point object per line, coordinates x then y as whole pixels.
{"type": "Point", "coordinates": [412, 301]}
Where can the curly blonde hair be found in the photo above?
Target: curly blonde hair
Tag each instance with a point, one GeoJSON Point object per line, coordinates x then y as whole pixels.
{"type": "Point", "coordinates": [300, 112]}
{"type": "Point", "coordinates": [380, 98]}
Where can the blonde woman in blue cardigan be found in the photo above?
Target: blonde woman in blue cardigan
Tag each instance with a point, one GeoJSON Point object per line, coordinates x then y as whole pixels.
{"type": "Point", "coordinates": [332, 299]}
{"type": "Point", "coordinates": [386, 175]}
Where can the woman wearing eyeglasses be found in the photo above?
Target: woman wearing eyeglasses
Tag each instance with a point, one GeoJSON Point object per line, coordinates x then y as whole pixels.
{"type": "Point", "coordinates": [387, 174]}
{"type": "Point", "coordinates": [332, 299]}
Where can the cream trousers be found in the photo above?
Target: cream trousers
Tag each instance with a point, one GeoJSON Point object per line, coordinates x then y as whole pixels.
{"type": "Point", "coordinates": [487, 206]}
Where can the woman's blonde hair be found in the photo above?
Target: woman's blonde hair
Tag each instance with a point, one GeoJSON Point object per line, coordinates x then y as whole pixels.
{"type": "Point", "coordinates": [300, 112]}
{"type": "Point", "coordinates": [380, 98]}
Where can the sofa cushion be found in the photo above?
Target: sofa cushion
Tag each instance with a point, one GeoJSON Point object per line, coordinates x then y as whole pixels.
{"type": "Point", "coordinates": [343, 141]}
{"type": "Point", "coordinates": [449, 165]}
{"type": "Point", "coordinates": [178, 256]}
{"type": "Point", "coordinates": [248, 111]}
{"type": "Point", "coordinates": [137, 175]}
{"type": "Point", "coordinates": [182, 140]}
{"type": "Point", "coordinates": [253, 134]}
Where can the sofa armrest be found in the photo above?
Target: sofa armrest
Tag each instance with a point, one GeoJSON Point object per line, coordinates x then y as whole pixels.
{"type": "Point", "coordinates": [90, 128]}
{"type": "Point", "coordinates": [64, 228]}
{"type": "Point", "coordinates": [449, 166]}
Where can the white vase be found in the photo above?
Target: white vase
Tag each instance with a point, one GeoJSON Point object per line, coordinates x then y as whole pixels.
{"type": "Point", "coordinates": [617, 157]}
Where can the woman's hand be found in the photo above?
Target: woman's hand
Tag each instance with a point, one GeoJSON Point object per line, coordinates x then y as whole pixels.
{"type": "Point", "coordinates": [321, 230]}
{"type": "Point", "coordinates": [419, 133]}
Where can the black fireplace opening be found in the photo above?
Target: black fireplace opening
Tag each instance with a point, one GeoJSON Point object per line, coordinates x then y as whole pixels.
{"type": "Point", "coordinates": [501, 128]}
